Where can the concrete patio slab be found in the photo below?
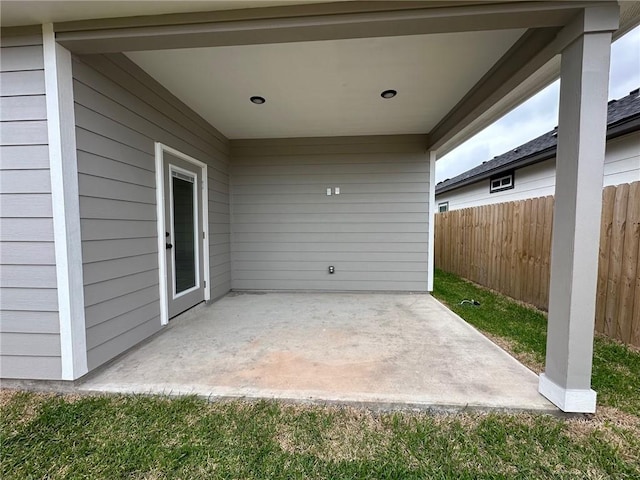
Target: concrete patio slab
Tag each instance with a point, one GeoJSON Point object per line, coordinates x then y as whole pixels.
{"type": "Point", "coordinates": [385, 350]}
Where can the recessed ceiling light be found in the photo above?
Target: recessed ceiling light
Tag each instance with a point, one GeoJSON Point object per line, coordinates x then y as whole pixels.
{"type": "Point", "coordinates": [257, 100]}
{"type": "Point", "coordinates": [388, 94]}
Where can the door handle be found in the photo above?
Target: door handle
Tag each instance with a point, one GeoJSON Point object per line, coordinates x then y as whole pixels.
{"type": "Point", "coordinates": [169, 246]}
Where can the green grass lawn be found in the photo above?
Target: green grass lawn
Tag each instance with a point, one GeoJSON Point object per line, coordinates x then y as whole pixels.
{"type": "Point", "coordinates": [45, 436]}
{"type": "Point", "coordinates": [136, 437]}
{"type": "Point", "coordinates": [523, 331]}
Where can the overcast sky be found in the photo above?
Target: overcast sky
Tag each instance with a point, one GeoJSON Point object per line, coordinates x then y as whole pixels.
{"type": "Point", "coordinates": [540, 113]}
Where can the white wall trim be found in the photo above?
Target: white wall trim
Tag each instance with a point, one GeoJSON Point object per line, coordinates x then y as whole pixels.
{"type": "Point", "coordinates": [160, 148]}
{"type": "Point", "coordinates": [66, 205]}
{"type": "Point", "coordinates": [567, 399]}
{"type": "Point", "coordinates": [432, 220]}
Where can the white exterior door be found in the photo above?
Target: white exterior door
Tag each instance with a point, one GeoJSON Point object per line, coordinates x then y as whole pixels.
{"type": "Point", "coordinates": [183, 220]}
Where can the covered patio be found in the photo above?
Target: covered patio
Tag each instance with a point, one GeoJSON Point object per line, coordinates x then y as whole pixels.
{"type": "Point", "coordinates": [380, 350]}
{"type": "Point", "coordinates": [193, 150]}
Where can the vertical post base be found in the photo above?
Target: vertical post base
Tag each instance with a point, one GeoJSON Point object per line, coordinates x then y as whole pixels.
{"type": "Point", "coordinates": [567, 399]}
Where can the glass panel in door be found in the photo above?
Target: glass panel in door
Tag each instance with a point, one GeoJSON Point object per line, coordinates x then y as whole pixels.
{"type": "Point", "coordinates": [184, 231]}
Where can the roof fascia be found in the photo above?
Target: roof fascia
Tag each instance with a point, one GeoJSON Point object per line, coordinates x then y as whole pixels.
{"type": "Point", "coordinates": [533, 51]}
{"type": "Point", "coordinates": [8, 32]}
{"type": "Point", "coordinates": [322, 23]}
{"type": "Point", "coordinates": [290, 11]}
{"type": "Point", "coordinates": [624, 126]}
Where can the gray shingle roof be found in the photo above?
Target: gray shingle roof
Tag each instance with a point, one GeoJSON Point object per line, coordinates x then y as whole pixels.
{"type": "Point", "coordinates": [540, 148]}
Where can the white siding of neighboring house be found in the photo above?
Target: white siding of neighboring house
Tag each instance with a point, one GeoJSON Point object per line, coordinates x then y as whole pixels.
{"type": "Point", "coordinates": [29, 321]}
{"type": "Point", "coordinates": [622, 165]}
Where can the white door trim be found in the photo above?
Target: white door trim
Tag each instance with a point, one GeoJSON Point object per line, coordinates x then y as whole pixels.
{"type": "Point", "coordinates": [160, 148]}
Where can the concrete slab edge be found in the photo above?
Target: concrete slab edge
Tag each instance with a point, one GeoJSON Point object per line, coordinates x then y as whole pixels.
{"type": "Point", "coordinates": [234, 292]}
{"type": "Point", "coordinates": [378, 406]}
{"type": "Point", "coordinates": [374, 405]}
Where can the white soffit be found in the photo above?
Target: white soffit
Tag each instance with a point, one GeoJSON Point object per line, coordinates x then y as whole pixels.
{"type": "Point", "coordinates": [328, 88]}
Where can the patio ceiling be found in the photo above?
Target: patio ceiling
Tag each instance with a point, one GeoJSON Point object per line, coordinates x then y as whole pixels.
{"type": "Point", "coordinates": [411, 46]}
{"type": "Point", "coordinates": [329, 88]}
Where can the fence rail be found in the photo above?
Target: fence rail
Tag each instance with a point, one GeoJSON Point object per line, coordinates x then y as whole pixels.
{"type": "Point", "coordinates": [507, 247]}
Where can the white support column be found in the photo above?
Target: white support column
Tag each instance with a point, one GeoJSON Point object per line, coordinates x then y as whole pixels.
{"type": "Point", "coordinates": [578, 204]}
{"type": "Point", "coordinates": [66, 207]}
{"type": "Point", "coordinates": [432, 220]}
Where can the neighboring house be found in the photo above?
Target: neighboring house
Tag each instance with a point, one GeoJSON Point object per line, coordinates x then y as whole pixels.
{"type": "Point", "coordinates": [529, 171]}
{"type": "Point", "coordinates": [154, 156]}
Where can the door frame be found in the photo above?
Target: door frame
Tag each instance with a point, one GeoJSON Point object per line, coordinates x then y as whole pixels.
{"type": "Point", "coordinates": [160, 149]}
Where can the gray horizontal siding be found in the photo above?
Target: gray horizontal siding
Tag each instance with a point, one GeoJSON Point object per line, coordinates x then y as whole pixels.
{"type": "Point", "coordinates": [328, 255]}
{"type": "Point", "coordinates": [122, 323]}
{"type": "Point", "coordinates": [24, 344]}
{"type": "Point", "coordinates": [32, 107]}
{"type": "Point", "coordinates": [316, 179]}
{"type": "Point", "coordinates": [320, 266]}
{"type": "Point", "coordinates": [325, 217]}
{"type": "Point", "coordinates": [26, 229]}
{"type": "Point", "coordinates": [29, 322]}
{"type": "Point", "coordinates": [103, 250]}
{"type": "Point", "coordinates": [25, 205]}
{"type": "Point", "coordinates": [120, 340]}
{"type": "Point", "coordinates": [108, 208]}
{"type": "Point", "coordinates": [20, 58]}
{"type": "Point", "coordinates": [30, 366]}
{"type": "Point", "coordinates": [109, 309]}
{"type": "Point", "coordinates": [24, 157]}
{"type": "Point", "coordinates": [117, 287]}
{"type": "Point", "coordinates": [102, 187]}
{"type": "Point", "coordinates": [20, 321]}
{"type": "Point", "coordinates": [120, 113]}
{"type": "Point", "coordinates": [319, 227]}
{"type": "Point", "coordinates": [327, 285]}
{"type": "Point", "coordinates": [303, 190]}
{"type": "Point", "coordinates": [334, 247]}
{"type": "Point", "coordinates": [113, 268]}
{"type": "Point", "coordinates": [28, 276]}
{"type": "Point", "coordinates": [100, 229]}
{"type": "Point", "coordinates": [28, 253]}
{"type": "Point", "coordinates": [25, 181]}
{"type": "Point", "coordinates": [30, 132]}
{"type": "Point", "coordinates": [22, 83]}
{"type": "Point", "coordinates": [286, 231]}
{"type": "Point", "coordinates": [29, 299]}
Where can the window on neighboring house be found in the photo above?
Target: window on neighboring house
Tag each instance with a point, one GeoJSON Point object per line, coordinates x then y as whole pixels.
{"type": "Point", "coordinates": [501, 182]}
{"type": "Point", "coordinates": [443, 207]}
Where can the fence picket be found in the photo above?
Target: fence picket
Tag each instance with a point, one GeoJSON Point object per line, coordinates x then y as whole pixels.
{"type": "Point", "coordinates": [615, 259]}
{"type": "Point", "coordinates": [608, 200]}
{"type": "Point", "coordinates": [629, 272]}
{"type": "Point", "coordinates": [537, 262]}
{"type": "Point", "coordinates": [507, 247]}
{"type": "Point", "coordinates": [546, 251]}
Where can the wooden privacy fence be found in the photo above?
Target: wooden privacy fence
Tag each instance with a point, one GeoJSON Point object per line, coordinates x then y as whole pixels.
{"type": "Point", "coordinates": [507, 247]}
